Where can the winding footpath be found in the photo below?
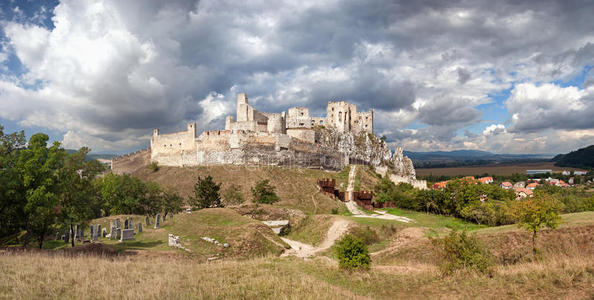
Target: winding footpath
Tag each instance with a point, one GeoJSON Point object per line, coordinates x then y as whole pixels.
{"type": "Point", "coordinates": [299, 249]}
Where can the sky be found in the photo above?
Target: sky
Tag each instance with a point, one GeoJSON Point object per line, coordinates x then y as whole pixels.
{"type": "Point", "coordinates": [500, 76]}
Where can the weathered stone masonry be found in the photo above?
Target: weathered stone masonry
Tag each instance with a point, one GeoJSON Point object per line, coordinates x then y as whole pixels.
{"type": "Point", "coordinates": [295, 138]}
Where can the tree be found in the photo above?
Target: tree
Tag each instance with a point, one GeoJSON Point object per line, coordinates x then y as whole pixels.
{"type": "Point", "coordinates": [12, 192]}
{"type": "Point", "coordinates": [263, 192]}
{"type": "Point", "coordinates": [352, 253]}
{"type": "Point", "coordinates": [535, 213]}
{"type": "Point", "coordinates": [206, 193]}
{"type": "Point", "coordinates": [122, 194]}
{"type": "Point", "coordinates": [172, 202]}
{"type": "Point", "coordinates": [232, 195]}
{"type": "Point", "coordinates": [37, 165]}
{"type": "Point", "coordinates": [78, 196]}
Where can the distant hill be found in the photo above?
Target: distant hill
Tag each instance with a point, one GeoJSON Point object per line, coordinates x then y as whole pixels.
{"type": "Point", "coordinates": [92, 156]}
{"type": "Point", "coordinates": [457, 158]}
{"type": "Point", "coordinates": [581, 158]}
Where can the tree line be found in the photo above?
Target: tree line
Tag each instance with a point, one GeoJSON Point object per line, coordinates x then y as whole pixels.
{"type": "Point", "coordinates": [43, 189]}
{"type": "Point", "coordinates": [478, 203]}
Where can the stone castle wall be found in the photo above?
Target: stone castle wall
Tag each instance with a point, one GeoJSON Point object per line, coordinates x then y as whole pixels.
{"type": "Point", "coordinates": [130, 163]}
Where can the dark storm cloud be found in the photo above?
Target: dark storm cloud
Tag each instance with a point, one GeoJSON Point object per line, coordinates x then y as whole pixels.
{"type": "Point", "coordinates": [384, 55]}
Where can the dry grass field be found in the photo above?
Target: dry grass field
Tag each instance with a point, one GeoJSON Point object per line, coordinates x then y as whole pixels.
{"type": "Point", "coordinates": [498, 169]}
{"type": "Point", "coordinates": [407, 267]}
{"type": "Point", "coordinates": [39, 275]}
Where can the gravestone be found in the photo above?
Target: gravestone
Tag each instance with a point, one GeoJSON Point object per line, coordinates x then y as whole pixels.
{"type": "Point", "coordinates": [126, 223]}
{"type": "Point", "coordinates": [130, 224]}
{"type": "Point", "coordinates": [66, 236]}
{"type": "Point", "coordinates": [147, 221]}
{"type": "Point", "coordinates": [127, 234]}
{"type": "Point", "coordinates": [98, 230]}
{"type": "Point", "coordinates": [104, 233]}
{"type": "Point", "coordinates": [91, 231]}
{"type": "Point", "coordinates": [114, 233]}
{"type": "Point", "coordinates": [82, 234]}
{"type": "Point", "coordinates": [164, 217]}
{"type": "Point", "coordinates": [139, 227]}
{"type": "Point", "coordinates": [94, 232]}
{"type": "Point", "coordinates": [119, 233]}
{"type": "Point", "coordinates": [76, 235]}
{"type": "Point", "coordinates": [157, 221]}
{"type": "Point", "coordinates": [118, 223]}
{"type": "Point", "coordinates": [111, 224]}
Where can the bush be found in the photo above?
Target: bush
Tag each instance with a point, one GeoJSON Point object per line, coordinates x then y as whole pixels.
{"type": "Point", "coordinates": [367, 235]}
{"type": "Point", "coordinates": [206, 193]}
{"type": "Point", "coordinates": [232, 195]}
{"type": "Point", "coordinates": [263, 192]}
{"type": "Point", "coordinates": [154, 166]}
{"type": "Point", "coordinates": [352, 253]}
{"type": "Point", "coordinates": [458, 250]}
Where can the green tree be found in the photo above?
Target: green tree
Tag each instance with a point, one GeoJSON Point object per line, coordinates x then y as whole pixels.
{"type": "Point", "coordinates": [122, 194]}
{"type": "Point", "coordinates": [172, 202]}
{"type": "Point", "coordinates": [352, 253]}
{"type": "Point", "coordinates": [232, 195]}
{"type": "Point", "coordinates": [12, 192]}
{"type": "Point", "coordinates": [263, 192]}
{"type": "Point", "coordinates": [536, 213]}
{"type": "Point", "coordinates": [79, 200]}
{"type": "Point", "coordinates": [37, 165]}
{"type": "Point", "coordinates": [206, 193]}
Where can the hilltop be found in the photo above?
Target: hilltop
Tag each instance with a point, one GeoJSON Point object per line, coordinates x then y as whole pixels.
{"type": "Point", "coordinates": [581, 158]}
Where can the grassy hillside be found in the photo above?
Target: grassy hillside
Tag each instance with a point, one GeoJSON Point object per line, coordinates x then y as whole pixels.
{"type": "Point", "coordinates": [581, 158]}
{"type": "Point", "coordinates": [247, 237]}
{"type": "Point", "coordinates": [297, 188]}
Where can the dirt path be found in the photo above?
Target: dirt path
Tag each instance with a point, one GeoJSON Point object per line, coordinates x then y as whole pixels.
{"type": "Point", "coordinates": [358, 213]}
{"type": "Point", "coordinates": [299, 249]}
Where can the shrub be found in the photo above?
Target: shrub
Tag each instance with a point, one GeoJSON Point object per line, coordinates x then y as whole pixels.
{"type": "Point", "coordinates": [367, 235]}
{"type": "Point", "coordinates": [458, 250]}
{"type": "Point", "coordinates": [206, 193]}
{"type": "Point", "coordinates": [352, 253]}
{"type": "Point", "coordinates": [154, 166]}
{"type": "Point", "coordinates": [263, 192]}
{"type": "Point", "coordinates": [232, 195]}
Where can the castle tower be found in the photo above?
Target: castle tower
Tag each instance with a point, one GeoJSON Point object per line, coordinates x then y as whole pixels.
{"type": "Point", "coordinates": [244, 111]}
{"type": "Point", "coordinates": [192, 129]}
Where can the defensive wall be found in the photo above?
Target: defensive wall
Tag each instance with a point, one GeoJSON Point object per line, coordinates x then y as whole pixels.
{"type": "Point", "coordinates": [130, 163]}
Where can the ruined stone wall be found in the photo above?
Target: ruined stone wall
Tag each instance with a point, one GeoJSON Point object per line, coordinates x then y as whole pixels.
{"type": "Point", "coordinates": [130, 163]}
{"type": "Point", "coordinates": [304, 134]}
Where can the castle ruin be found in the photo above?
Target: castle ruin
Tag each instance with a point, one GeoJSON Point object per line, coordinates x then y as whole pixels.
{"type": "Point", "coordinates": [295, 138]}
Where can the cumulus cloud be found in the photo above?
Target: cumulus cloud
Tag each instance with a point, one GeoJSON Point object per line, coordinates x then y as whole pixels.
{"type": "Point", "coordinates": [537, 107]}
{"type": "Point", "coordinates": [106, 72]}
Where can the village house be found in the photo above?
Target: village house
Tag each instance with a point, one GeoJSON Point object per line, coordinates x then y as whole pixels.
{"type": "Point", "coordinates": [532, 186]}
{"type": "Point", "coordinates": [506, 185]}
{"type": "Point", "coordinates": [523, 193]}
{"type": "Point", "coordinates": [486, 180]}
{"type": "Point", "coordinates": [520, 184]}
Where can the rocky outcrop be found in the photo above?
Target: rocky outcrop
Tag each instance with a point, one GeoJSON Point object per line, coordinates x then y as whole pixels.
{"type": "Point", "coordinates": [367, 148]}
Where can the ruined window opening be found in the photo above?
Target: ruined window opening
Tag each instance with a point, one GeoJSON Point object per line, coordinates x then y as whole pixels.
{"type": "Point", "coordinates": [339, 116]}
{"type": "Point", "coordinates": [321, 122]}
{"type": "Point", "coordinates": [301, 114]}
{"type": "Point", "coordinates": [301, 124]}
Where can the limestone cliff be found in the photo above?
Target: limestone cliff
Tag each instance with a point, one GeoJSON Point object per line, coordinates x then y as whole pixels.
{"type": "Point", "coordinates": [367, 148]}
